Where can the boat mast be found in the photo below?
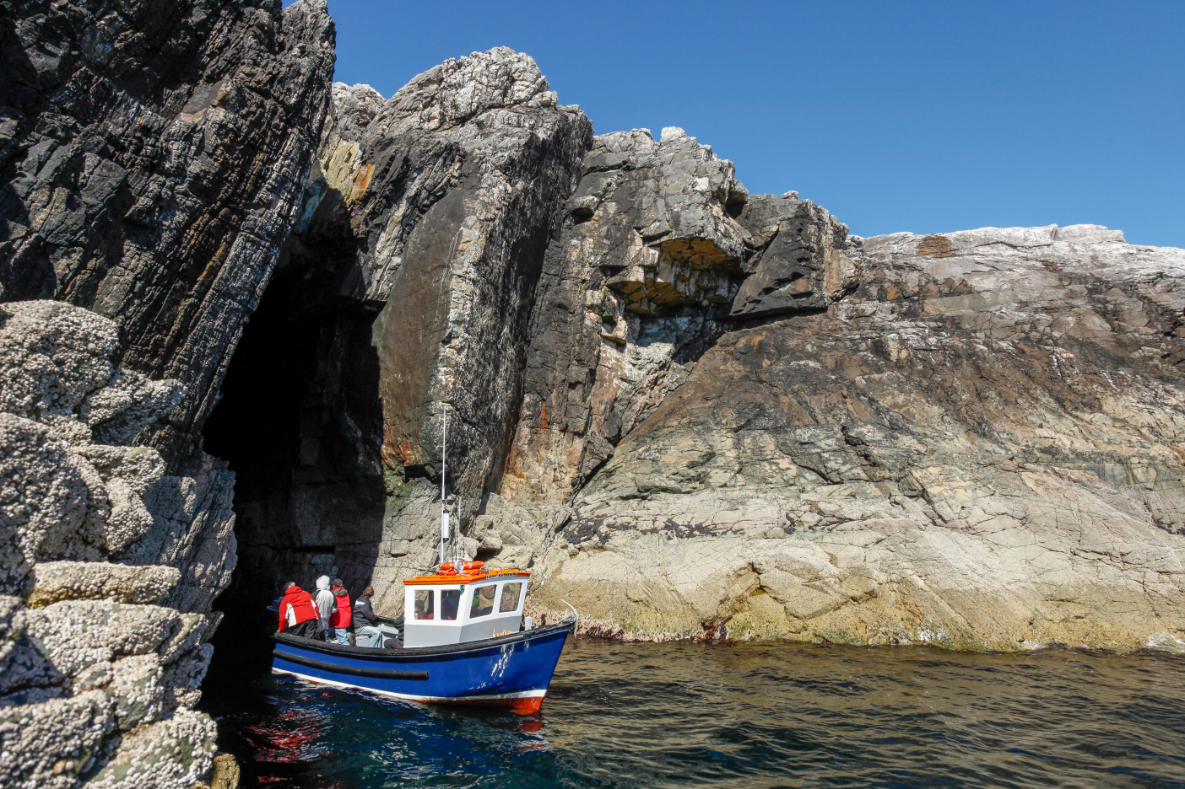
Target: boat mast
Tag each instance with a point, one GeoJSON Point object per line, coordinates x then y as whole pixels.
{"type": "Point", "coordinates": [443, 506]}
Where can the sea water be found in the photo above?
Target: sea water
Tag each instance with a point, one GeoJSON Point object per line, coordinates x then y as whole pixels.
{"type": "Point", "coordinates": [746, 716]}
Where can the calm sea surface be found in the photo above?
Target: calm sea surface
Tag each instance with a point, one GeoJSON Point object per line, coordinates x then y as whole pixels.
{"type": "Point", "coordinates": [748, 716]}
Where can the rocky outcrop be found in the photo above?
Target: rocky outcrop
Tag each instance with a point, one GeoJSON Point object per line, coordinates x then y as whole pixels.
{"type": "Point", "coordinates": [699, 413]}
{"type": "Point", "coordinates": [151, 159]}
{"type": "Point", "coordinates": [645, 267]}
{"type": "Point", "coordinates": [980, 446]}
{"type": "Point", "coordinates": [151, 156]}
{"type": "Point", "coordinates": [417, 254]}
{"type": "Point", "coordinates": [108, 566]}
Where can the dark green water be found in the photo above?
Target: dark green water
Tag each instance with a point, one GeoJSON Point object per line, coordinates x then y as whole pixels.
{"type": "Point", "coordinates": [748, 716]}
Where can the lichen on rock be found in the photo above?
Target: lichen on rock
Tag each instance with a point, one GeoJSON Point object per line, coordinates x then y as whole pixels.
{"type": "Point", "coordinates": [99, 656]}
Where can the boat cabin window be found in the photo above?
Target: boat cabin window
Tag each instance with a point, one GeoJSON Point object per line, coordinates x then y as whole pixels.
{"type": "Point", "coordinates": [424, 608]}
{"type": "Point", "coordinates": [483, 601]}
{"type": "Point", "coordinates": [510, 596]}
{"type": "Point", "coordinates": [450, 601]}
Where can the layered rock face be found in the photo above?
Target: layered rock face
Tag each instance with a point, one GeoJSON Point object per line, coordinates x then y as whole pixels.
{"type": "Point", "coordinates": [979, 446]}
{"type": "Point", "coordinates": [417, 253]}
{"type": "Point", "coordinates": [108, 565]}
{"type": "Point", "coordinates": [151, 158]}
{"type": "Point", "coordinates": [151, 155]}
{"type": "Point", "coordinates": [699, 413]}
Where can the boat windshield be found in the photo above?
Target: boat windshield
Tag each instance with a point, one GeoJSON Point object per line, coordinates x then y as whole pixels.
{"type": "Point", "coordinates": [483, 601]}
{"type": "Point", "coordinates": [510, 595]}
{"type": "Point", "coordinates": [424, 608]}
{"type": "Point", "coordinates": [450, 601]}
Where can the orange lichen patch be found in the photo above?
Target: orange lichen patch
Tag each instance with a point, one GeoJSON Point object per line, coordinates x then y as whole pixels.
{"type": "Point", "coordinates": [397, 450]}
{"type": "Point", "coordinates": [934, 247]}
{"type": "Point", "coordinates": [468, 573]}
{"type": "Point", "coordinates": [361, 183]}
{"type": "Point", "coordinates": [696, 252]}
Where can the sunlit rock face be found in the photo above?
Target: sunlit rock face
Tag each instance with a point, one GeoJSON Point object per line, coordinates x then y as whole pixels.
{"type": "Point", "coordinates": [108, 565]}
{"type": "Point", "coordinates": [978, 445]}
{"type": "Point", "coordinates": [701, 413]}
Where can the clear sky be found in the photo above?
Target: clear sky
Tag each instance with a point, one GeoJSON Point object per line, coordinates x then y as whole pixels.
{"type": "Point", "coordinates": [919, 116]}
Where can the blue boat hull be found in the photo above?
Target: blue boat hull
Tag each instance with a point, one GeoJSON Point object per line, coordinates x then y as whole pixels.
{"type": "Point", "coordinates": [512, 671]}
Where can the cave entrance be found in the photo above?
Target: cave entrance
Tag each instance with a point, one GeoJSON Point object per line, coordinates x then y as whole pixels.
{"type": "Point", "coordinates": [300, 424]}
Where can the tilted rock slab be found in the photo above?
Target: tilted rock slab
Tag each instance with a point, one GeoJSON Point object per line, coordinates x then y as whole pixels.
{"type": "Point", "coordinates": [443, 198]}
{"type": "Point", "coordinates": [108, 565]}
{"type": "Point", "coordinates": [152, 156]}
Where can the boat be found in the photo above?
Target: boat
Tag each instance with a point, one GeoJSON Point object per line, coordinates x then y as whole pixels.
{"type": "Point", "coordinates": [464, 641]}
{"type": "Point", "coordinates": [458, 646]}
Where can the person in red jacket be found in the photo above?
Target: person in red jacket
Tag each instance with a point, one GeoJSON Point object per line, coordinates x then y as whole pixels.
{"type": "Point", "coordinates": [344, 615]}
{"type": "Point", "coordinates": [298, 615]}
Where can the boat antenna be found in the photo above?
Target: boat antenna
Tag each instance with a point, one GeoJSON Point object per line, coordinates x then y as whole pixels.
{"type": "Point", "coordinates": [443, 505]}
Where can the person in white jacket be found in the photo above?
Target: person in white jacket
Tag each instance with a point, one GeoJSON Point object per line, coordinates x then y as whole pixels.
{"type": "Point", "coordinates": [326, 605]}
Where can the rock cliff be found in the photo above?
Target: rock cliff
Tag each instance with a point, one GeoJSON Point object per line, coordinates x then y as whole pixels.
{"type": "Point", "coordinates": [691, 411]}
{"type": "Point", "coordinates": [151, 158]}
{"type": "Point", "coordinates": [701, 413]}
{"type": "Point", "coordinates": [409, 279]}
{"type": "Point", "coordinates": [152, 154]}
{"type": "Point", "coordinates": [108, 565]}
{"type": "Point", "coordinates": [978, 445]}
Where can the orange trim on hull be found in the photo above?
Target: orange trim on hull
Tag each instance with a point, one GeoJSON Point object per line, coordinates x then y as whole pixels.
{"type": "Point", "coordinates": [521, 706]}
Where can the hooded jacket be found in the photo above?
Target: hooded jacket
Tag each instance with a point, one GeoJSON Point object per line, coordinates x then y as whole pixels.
{"type": "Point", "coordinates": [364, 612]}
{"type": "Point", "coordinates": [326, 604]}
{"type": "Point", "coordinates": [296, 607]}
{"type": "Point", "coordinates": [345, 612]}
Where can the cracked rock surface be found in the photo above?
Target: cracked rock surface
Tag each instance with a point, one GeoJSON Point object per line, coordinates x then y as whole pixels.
{"type": "Point", "coordinates": [108, 565]}
{"type": "Point", "coordinates": [696, 412]}
{"type": "Point", "coordinates": [977, 445]}
{"type": "Point", "coordinates": [151, 156]}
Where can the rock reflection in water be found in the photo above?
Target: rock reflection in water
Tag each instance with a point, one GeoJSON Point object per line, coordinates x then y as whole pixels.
{"type": "Point", "coordinates": [647, 715]}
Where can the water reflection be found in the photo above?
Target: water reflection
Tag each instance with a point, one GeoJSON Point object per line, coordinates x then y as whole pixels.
{"type": "Point", "coordinates": [643, 715]}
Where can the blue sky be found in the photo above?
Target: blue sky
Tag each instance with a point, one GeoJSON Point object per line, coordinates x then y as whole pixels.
{"type": "Point", "coordinates": [920, 116]}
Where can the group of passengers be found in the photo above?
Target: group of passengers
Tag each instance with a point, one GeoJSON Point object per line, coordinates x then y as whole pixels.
{"type": "Point", "coordinates": [329, 616]}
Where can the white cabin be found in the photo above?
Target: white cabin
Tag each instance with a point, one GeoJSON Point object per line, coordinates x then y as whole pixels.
{"type": "Point", "coordinates": [463, 603]}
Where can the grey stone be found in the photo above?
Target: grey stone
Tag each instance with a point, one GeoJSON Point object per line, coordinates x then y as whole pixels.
{"type": "Point", "coordinates": [57, 581]}
{"type": "Point", "coordinates": [153, 179]}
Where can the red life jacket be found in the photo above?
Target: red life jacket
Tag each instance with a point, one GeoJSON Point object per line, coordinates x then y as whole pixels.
{"type": "Point", "coordinates": [344, 614]}
{"type": "Point", "coordinates": [301, 604]}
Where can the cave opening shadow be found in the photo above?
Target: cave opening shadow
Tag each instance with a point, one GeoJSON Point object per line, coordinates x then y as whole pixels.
{"type": "Point", "coordinates": [300, 424]}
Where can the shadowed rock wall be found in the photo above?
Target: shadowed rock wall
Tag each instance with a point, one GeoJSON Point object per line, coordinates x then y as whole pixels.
{"type": "Point", "coordinates": [151, 155]}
